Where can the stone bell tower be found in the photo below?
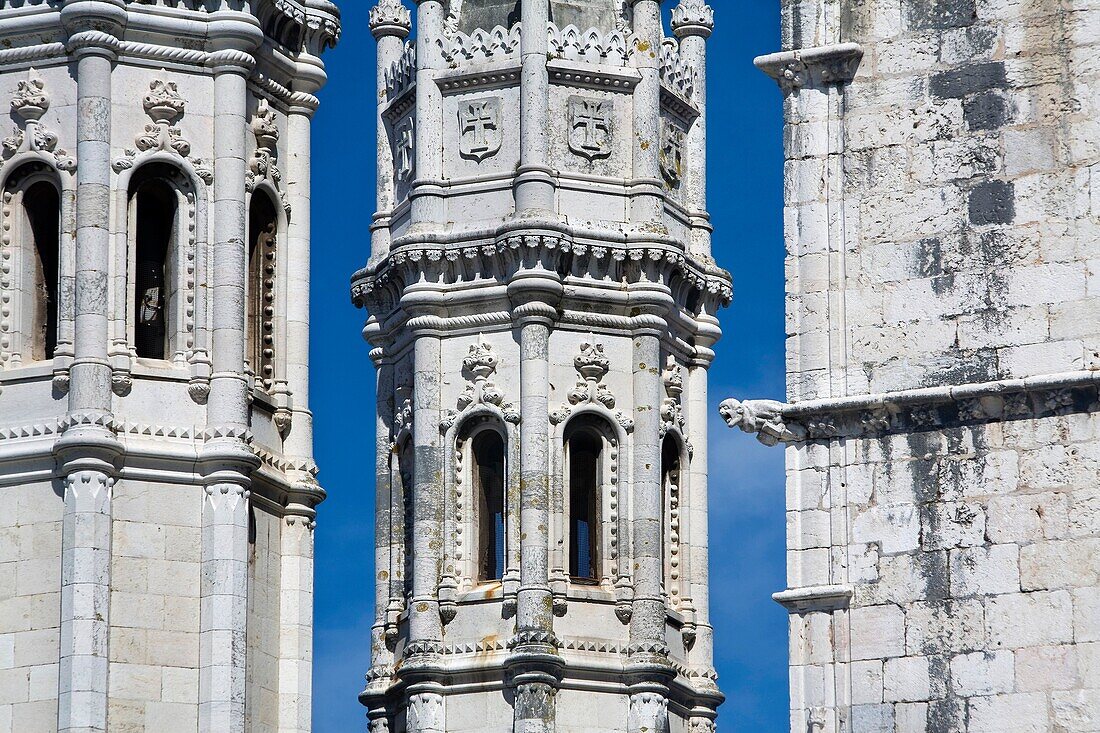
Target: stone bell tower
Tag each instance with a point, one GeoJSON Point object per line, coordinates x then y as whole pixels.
{"type": "Point", "coordinates": [542, 302]}
{"type": "Point", "coordinates": [156, 473]}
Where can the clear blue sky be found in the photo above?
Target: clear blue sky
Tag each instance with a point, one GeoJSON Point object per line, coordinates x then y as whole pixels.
{"type": "Point", "coordinates": [747, 506]}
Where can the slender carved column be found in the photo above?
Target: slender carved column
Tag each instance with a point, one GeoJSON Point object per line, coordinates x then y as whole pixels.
{"type": "Point", "coordinates": [646, 191]}
{"type": "Point", "coordinates": [534, 663]}
{"type": "Point", "coordinates": [87, 451]}
{"type": "Point", "coordinates": [693, 22]}
{"type": "Point", "coordinates": [383, 518]}
{"type": "Point", "coordinates": [227, 460]}
{"type": "Point", "coordinates": [534, 182]}
{"type": "Point", "coordinates": [425, 645]}
{"type": "Point", "coordinates": [648, 649]}
{"type": "Point", "coordinates": [427, 190]}
{"type": "Point", "coordinates": [390, 23]}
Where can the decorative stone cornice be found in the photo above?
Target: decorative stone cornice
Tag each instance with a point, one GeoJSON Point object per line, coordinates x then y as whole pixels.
{"type": "Point", "coordinates": [379, 288]}
{"type": "Point", "coordinates": [693, 18]}
{"type": "Point", "coordinates": [914, 410]}
{"type": "Point", "coordinates": [390, 18]}
{"type": "Point", "coordinates": [812, 67]}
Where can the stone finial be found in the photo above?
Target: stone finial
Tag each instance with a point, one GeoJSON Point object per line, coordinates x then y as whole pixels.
{"type": "Point", "coordinates": [481, 362]}
{"type": "Point", "coordinates": [163, 103]}
{"type": "Point", "coordinates": [692, 18]}
{"type": "Point", "coordinates": [390, 18]}
{"type": "Point", "coordinates": [30, 100]}
{"type": "Point", "coordinates": [264, 126]}
{"type": "Point", "coordinates": [591, 362]}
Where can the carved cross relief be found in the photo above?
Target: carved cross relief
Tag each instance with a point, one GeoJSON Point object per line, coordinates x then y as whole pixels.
{"type": "Point", "coordinates": [590, 127]}
{"type": "Point", "coordinates": [672, 154]}
{"type": "Point", "coordinates": [405, 155]}
{"type": "Point", "coordinates": [479, 128]}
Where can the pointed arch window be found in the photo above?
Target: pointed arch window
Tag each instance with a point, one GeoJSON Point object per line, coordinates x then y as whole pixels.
{"type": "Point", "coordinates": [584, 458]}
{"type": "Point", "coordinates": [263, 224]}
{"type": "Point", "coordinates": [154, 252]}
{"type": "Point", "coordinates": [487, 451]}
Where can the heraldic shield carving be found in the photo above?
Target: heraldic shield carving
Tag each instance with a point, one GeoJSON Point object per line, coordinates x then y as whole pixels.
{"type": "Point", "coordinates": [590, 127]}
{"type": "Point", "coordinates": [479, 128]}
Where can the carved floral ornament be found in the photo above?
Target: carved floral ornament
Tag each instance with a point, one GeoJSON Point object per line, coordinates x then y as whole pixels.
{"type": "Point", "coordinates": [592, 365]}
{"type": "Point", "coordinates": [29, 103]}
{"type": "Point", "coordinates": [164, 105]}
{"type": "Point", "coordinates": [775, 422]}
{"type": "Point", "coordinates": [262, 167]}
{"type": "Point", "coordinates": [480, 364]}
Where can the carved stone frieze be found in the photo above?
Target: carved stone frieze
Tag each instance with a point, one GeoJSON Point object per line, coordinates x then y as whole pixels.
{"type": "Point", "coordinates": [479, 127]}
{"type": "Point", "coordinates": [591, 126]}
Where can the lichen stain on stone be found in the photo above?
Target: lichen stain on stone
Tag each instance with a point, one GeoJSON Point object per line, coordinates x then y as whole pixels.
{"type": "Point", "coordinates": [422, 607]}
{"type": "Point", "coordinates": [383, 575]}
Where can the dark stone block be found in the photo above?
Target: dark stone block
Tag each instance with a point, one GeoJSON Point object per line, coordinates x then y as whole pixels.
{"type": "Point", "coordinates": [968, 80]}
{"type": "Point", "coordinates": [986, 111]}
{"type": "Point", "coordinates": [929, 258]}
{"type": "Point", "coordinates": [938, 14]}
{"type": "Point", "coordinates": [992, 202]}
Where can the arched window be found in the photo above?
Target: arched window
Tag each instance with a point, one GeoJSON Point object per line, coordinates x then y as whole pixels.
{"type": "Point", "coordinates": [42, 206]}
{"type": "Point", "coordinates": [154, 231]}
{"type": "Point", "coordinates": [584, 449]}
{"type": "Point", "coordinates": [672, 497]}
{"type": "Point", "coordinates": [263, 225]}
{"type": "Point", "coordinates": [488, 467]}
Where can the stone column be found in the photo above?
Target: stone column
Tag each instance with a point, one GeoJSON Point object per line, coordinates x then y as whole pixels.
{"type": "Point", "coordinates": [87, 450]}
{"type": "Point", "coordinates": [226, 459]}
{"type": "Point", "coordinates": [645, 189]}
{"type": "Point", "coordinates": [390, 23]}
{"type": "Point", "coordinates": [427, 190]}
{"type": "Point", "coordinates": [425, 644]}
{"type": "Point", "coordinates": [383, 519]}
{"type": "Point", "coordinates": [534, 182]}
{"type": "Point", "coordinates": [648, 664]}
{"type": "Point", "coordinates": [693, 22]}
{"type": "Point", "coordinates": [534, 665]}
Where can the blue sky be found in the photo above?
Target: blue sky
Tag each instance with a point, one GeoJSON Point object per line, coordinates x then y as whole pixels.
{"type": "Point", "coordinates": [747, 506]}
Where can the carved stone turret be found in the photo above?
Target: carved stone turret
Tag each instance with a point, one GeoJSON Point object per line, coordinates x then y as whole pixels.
{"type": "Point", "coordinates": [154, 418]}
{"type": "Point", "coordinates": [542, 304]}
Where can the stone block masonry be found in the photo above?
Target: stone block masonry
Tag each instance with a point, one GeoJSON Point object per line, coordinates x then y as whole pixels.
{"type": "Point", "coordinates": [942, 416]}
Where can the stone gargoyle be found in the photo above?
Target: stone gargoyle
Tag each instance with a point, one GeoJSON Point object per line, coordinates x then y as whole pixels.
{"type": "Point", "coordinates": [764, 418]}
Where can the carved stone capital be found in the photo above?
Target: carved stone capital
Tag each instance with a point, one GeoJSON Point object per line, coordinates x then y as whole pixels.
{"type": "Point", "coordinates": [390, 18]}
{"type": "Point", "coordinates": [693, 18]}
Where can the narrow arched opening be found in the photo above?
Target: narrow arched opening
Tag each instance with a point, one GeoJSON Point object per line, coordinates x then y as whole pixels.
{"type": "Point", "coordinates": [488, 453]}
{"type": "Point", "coordinates": [584, 459]}
{"type": "Point", "coordinates": [42, 206]}
{"type": "Point", "coordinates": [672, 499]}
{"type": "Point", "coordinates": [263, 224]}
{"type": "Point", "coordinates": [154, 218]}
{"type": "Point", "coordinates": [405, 477]}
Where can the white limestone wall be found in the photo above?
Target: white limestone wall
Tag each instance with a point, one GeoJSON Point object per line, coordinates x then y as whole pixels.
{"type": "Point", "coordinates": [941, 233]}
{"type": "Point", "coordinates": [30, 596]}
{"type": "Point", "coordinates": [264, 587]}
{"type": "Point", "coordinates": [154, 634]}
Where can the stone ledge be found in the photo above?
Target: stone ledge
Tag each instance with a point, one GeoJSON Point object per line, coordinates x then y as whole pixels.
{"type": "Point", "coordinates": [814, 598]}
{"type": "Point", "coordinates": [812, 67]}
